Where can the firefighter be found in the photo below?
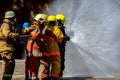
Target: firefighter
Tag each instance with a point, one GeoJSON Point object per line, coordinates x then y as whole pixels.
{"type": "Point", "coordinates": [32, 61]}
{"type": "Point", "coordinates": [33, 49]}
{"type": "Point", "coordinates": [61, 22]}
{"type": "Point", "coordinates": [7, 38]}
{"type": "Point", "coordinates": [51, 57]}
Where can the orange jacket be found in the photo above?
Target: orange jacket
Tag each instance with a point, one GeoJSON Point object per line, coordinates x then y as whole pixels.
{"type": "Point", "coordinates": [32, 46]}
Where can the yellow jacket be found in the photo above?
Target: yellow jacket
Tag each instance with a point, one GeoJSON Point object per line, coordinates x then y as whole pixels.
{"type": "Point", "coordinates": [53, 48]}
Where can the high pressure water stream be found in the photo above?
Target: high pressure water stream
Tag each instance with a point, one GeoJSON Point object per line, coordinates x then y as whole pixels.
{"type": "Point", "coordinates": [94, 27]}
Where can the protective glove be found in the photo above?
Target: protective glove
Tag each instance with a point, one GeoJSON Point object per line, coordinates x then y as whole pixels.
{"type": "Point", "coordinates": [13, 35]}
{"type": "Point", "coordinates": [66, 38]}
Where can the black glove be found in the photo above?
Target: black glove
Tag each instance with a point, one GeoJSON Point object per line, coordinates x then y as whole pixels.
{"type": "Point", "coordinates": [68, 38]}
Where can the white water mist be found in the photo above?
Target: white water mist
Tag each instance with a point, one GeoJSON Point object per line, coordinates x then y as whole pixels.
{"type": "Point", "coordinates": [94, 27]}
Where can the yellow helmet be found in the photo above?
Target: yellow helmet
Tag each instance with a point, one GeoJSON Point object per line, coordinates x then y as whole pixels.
{"type": "Point", "coordinates": [60, 17]}
{"type": "Point", "coordinates": [51, 18]}
{"type": "Point", "coordinates": [41, 18]}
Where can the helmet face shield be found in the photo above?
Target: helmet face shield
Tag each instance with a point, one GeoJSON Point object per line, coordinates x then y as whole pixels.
{"type": "Point", "coordinates": [51, 20]}
{"type": "Point", "coordinates": [41, 20]}
{"type": "Point", "coordinates": [51, 23]}
{"type": "Point", "coordinates": [59, 21]}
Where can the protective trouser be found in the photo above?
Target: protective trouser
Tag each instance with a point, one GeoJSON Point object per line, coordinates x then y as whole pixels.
{"type": "Point", "coordinates": [62, 54]}
{"type": "Point", "coordinates": [44, 67]}
{"type": "Point", "coordinates": [31, 68]}
{"type": "Point", "coordinates": [8, 65]}
{"type": "Point", "coordinates": [50, 67]}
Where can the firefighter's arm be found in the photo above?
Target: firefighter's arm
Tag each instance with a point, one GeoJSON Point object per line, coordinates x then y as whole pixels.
{"type": "Point", "coordinates": [66, 38]}
{"type": "Point", "coordinates": [7, 32]}
{"type": "Point", "coordinates": [5, 29]}
{"type": "Point", "coordinates": [58, 34]}
{"type": "Point", "coordinates": [49, 33]}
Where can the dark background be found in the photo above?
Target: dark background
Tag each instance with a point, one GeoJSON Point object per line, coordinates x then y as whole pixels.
{"type": "Point", "coordinates": [25, 11]}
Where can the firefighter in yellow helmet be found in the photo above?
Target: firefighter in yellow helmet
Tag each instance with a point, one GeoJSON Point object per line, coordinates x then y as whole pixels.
{"type": "Point", "coordinates": [7, 38]}
{"type": "Point", "coordinates": [60, 19]}
{"type": "Point", "coordinates": [61, 22]}
{"type": "Point", "coordinates": [33, 48]}
{"type": "Point", "coordinates": [51, 58]}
